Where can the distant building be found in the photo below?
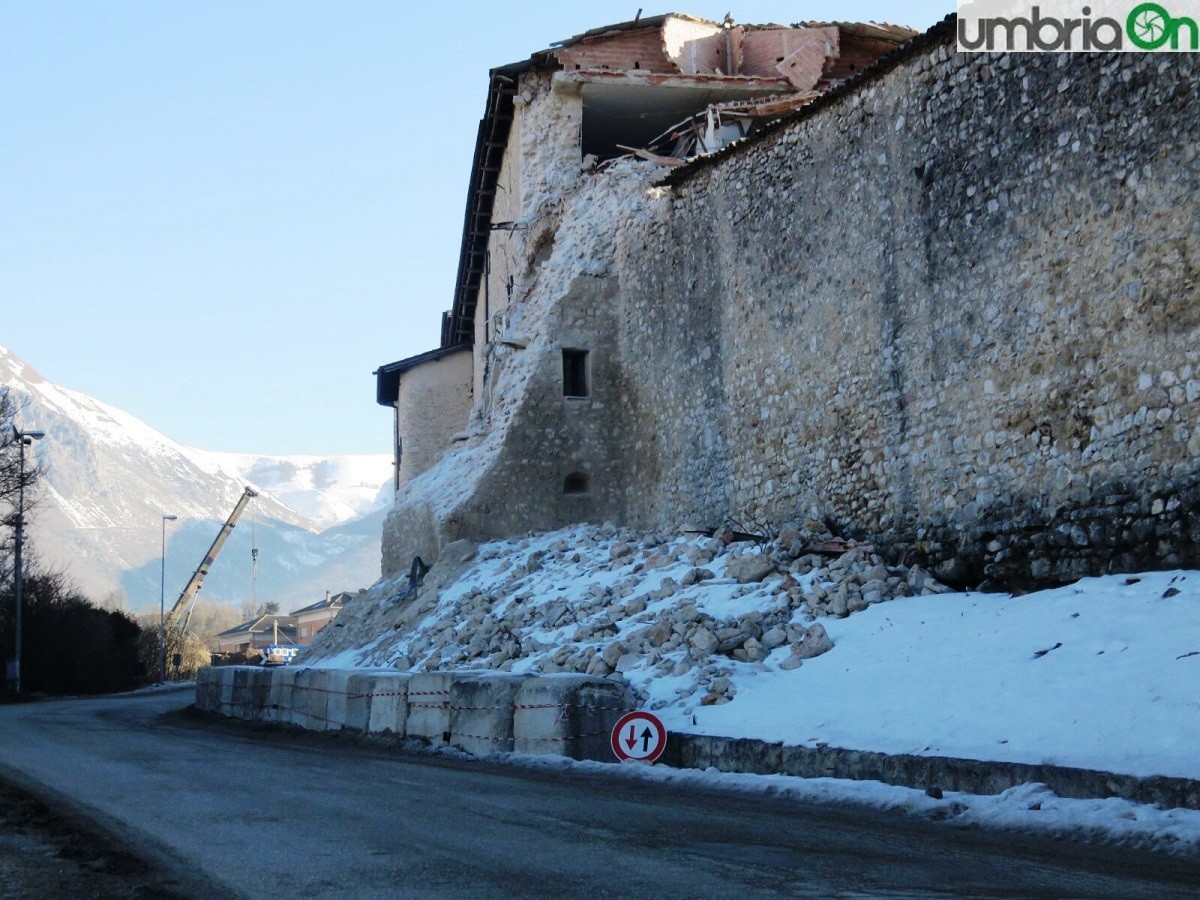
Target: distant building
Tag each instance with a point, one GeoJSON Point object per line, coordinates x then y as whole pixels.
{"type": "Point", "coordinates": [311, 619]}
{"type": "Point", "coordinates": [261, 631]}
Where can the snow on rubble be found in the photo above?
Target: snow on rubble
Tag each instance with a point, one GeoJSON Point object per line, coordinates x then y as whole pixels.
{"type": "Point", "coordinates": [580, 214]}
{"type": "Point", "coordinates": [784, 642]}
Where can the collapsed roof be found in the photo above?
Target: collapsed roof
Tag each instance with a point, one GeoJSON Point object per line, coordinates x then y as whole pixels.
{"type": "Point", "coordinates": [668, 87]}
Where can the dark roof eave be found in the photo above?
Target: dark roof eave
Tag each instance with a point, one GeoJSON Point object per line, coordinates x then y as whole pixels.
{"type": "Point", "coordinates": [250, 628]}
{"type": "Point", "coordinates": [387, 377]}
{"type": "Point", "coordinates": [319, 606]}
{"type": "Point", "coordinates": [490, 142]}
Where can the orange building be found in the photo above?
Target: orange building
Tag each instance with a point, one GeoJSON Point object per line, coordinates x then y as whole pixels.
{"type": "Point", "coordinates": [311, 619]}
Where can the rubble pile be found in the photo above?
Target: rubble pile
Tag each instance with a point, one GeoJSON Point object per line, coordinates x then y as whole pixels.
{"type": "Point", "coordinates": [600, 600]}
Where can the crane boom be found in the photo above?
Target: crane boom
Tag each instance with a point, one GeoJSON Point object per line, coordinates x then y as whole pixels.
{"type": "Point", "coordinates": [188, 597]}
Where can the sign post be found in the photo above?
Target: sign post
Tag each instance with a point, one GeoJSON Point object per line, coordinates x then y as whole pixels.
{"type": "Point", "coordinates": [639, 736]}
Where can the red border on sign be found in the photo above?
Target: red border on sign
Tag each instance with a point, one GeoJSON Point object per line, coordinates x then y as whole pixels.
{"type": "Point", "coordinates": [638, 715]}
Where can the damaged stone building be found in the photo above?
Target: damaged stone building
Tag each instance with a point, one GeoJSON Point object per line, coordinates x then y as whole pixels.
{"type": "Point", "coordinates": [664, 88]}
{"type": "Point", "coordinates": [718, 272]}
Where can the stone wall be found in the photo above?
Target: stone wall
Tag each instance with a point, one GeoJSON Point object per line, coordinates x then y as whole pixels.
{"type": "Point", "coordinates": [541, 162]}
{"type": "Point", "coordinates": [526, 437]}
{"type": "Point", "coordinates": [552, 436]}
{"type": "Point", "coordinates": [955, 307]}
{"type": "Point", "coordinates": [535, 436]}
{"type": "Point", "coordinates": [433, 405]}
{"type": "Point", "coordinates": [950, 307]}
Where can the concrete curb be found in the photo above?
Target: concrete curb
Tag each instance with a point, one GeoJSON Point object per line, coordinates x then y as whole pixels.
{"type": "Point", "coordinates": [927, 773]}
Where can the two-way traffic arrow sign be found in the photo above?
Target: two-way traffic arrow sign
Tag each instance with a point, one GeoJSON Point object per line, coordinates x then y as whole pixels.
{"type": "Point", "coordinates": [639, 736]}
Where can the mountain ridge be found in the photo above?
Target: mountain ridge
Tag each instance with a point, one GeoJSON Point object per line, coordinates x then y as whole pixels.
{"type": "Point", "coordinates": [109, 478]}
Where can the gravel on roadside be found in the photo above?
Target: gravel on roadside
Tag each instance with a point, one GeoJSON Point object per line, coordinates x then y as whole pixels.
{"type": "Point", "coordinates": [46, 853]}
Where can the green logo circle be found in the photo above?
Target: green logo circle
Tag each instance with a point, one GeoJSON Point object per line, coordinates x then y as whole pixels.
{"type": "Point", "coordinates": [1148, 26]}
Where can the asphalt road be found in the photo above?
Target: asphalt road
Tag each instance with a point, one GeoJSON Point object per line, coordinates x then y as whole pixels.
{"type": "Point", "coordinates": [240, 810]}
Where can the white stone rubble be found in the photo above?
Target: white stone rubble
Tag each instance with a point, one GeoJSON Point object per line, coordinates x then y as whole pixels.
{"type": "Point", "coordinates": [600, 600]}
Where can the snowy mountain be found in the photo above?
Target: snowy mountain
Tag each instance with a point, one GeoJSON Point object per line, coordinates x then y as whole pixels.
{"type": "Point", "coordinates": [327, 490]}
{"type": "Point", "coordinates": [109, 478]}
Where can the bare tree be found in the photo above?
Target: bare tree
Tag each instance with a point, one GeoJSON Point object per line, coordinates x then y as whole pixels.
{"type": "Point", "coordinates": [12, 478]}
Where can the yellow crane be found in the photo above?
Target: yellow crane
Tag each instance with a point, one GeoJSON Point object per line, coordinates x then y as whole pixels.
{"type": "Point", "coordinates": [181, 612]}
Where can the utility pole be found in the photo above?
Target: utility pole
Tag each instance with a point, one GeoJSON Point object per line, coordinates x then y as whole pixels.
{"type": "Point", "coordinates": [24, 439]}
{"type": "Point", "coordinates": [162, 603]}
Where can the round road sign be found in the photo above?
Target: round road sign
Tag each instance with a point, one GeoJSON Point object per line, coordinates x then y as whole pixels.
{"type": "Point", "coordinates": [639, 735]}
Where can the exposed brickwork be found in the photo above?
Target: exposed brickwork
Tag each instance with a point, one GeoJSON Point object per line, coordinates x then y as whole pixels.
{"type": "Point", "coordinates": [806, 64]}
{"type": "Point", "coordinates": [763, 50]}
{"type": "Point", "coordinates": [632, 50]}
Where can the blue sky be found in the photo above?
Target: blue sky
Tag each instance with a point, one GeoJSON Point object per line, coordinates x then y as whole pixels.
{"type": "Point", "coordinates": [222, 216]}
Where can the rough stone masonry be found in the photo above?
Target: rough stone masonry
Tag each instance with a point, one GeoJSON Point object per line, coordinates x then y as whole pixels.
{"type": "Point", "coordinates": [951, 307]}
{"type": "Point", "coordinates": [956, 306]}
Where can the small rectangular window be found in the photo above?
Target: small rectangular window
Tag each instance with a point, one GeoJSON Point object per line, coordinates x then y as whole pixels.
{"type": "Point", "coordinates": [575, 373]}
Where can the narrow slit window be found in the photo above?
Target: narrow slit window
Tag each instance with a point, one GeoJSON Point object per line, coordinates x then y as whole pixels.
{"type": "Point", "coordinates": [575, 483]}
{"type": "Point", "coordinates": [575, 373]}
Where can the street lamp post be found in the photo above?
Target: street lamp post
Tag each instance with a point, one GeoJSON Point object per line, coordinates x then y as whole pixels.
{"type": "Point", "coordinates": [24, 439]}
{"type": "Point", "coordinates": [162, 603]}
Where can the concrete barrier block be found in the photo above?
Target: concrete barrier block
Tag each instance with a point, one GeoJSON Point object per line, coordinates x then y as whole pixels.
{"type": "Point", "coordinates": [481, 712]}
{"type": "Point", "coordinates": [389, 704]}
{"type": "Point", "coordinates": [208, 692]}
{"type": "Point", "coordinates": [225, 697]}
{"type": "Point", "coordinates": [598, 706]}
{"type": "Point", "coordinates": [260, 691]}
{"type": "Point", "coordinates": [542, 718]}
{"type": "Point", "coordinates": [359, 688]}
{"type": "Point", "coordinates": [569, 715]}
{"type": "Point", "coordinates": [279, 698]}
{"type": "Point", "coordinates": [335, 697]}
{"type": "Point", "coordinates": [429, 706]}
{"type": "Point", "coordinates": [365, 691]}
{"type": "Point", "coordinates": [218, 689]}
{"type": "Point", "coordinates": [302, 695]}
{"type": "Point", "coordinates": [241, 692]}
{"type": "Point", "coordinates": [317, 705]}
{"type": "Point", "coordinates": [213, 691]}
{"type": "Point", "coordinates": [198, 697]}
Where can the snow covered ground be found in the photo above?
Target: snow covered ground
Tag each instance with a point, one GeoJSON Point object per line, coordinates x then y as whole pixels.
{"type": "Point", "coordinates": [1101, 674]}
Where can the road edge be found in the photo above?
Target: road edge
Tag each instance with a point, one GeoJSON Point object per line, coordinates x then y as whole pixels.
{"type": "Point", "coordinates": [185, 880]}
